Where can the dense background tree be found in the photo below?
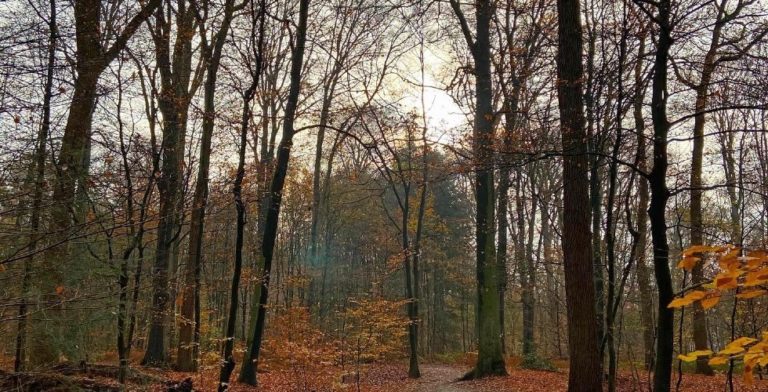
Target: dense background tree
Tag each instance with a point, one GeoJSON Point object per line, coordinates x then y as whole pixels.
{"type": "Point", "coordinates": [491, 188]}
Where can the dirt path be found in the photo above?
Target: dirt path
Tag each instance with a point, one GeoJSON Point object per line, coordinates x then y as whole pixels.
{"type": "Point", "coordinates": [438, 378]}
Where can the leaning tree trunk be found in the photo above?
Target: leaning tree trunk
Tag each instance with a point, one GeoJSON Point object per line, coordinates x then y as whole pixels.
{"type": "Point", "coordinates": [700, 334]}
{"type": "Point", "coordinates": [228, 363]}
{"type": "Point", "coordinates": [72, 167]}
{"type": "Point", "coordinates": [583, 343]}
{"type": "Point", "coordinates": [278, 180]}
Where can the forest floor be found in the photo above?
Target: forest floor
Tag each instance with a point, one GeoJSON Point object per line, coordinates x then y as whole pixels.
{"type": "Point", "coordinates": [372, 378]}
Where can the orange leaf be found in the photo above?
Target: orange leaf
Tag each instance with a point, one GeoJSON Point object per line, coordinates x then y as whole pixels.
{"type": "Point", "coordinates": [710, 302]}
{"type": "Point", "coordinates": [727, 280]}
{"type": "Point", "coordinates": [718, 361]}
{"type": "Point", "coordinates": [694, 249]}
{"type": "Point", "coordinates": [751, 294]}
{"type": "Point", "coordinates": [679, 303]}
{"type": "Point", "coordinates": [696, 295]}
{"type": "Point", "coordinates": [753, 279]}
{"type": "Point", "coordinates": [688, 263]}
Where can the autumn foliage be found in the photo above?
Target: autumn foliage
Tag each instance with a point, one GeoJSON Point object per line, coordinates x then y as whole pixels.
{"type": "Point", "coordinates": [742, 273]}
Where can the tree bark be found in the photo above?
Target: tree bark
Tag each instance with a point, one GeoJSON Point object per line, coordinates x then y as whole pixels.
{"type": "Point", "coordinates": [174, 100]}
{"type": "Point", "coordinates": [658, 204]}
{"type": "Point", "coordinates": [37, 198]}
{"type": "Point", "coordinates": [189, 329]}
{"type": "Point", "coordinates": [278, 180]}
{"type": "Point", "coordinates": [643, 271]}
{"type": "Point", "coordinates": [72, 168]}
{"type": "Point", "coordinates": [580, 290]}
{"type": "Point", "coordinates": [700, 334]}
{"type": "Point", "coordinates": [490, 359]}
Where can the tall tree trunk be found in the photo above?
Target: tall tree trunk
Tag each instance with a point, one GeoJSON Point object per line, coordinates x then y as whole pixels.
{"type": "Point", "coordinates": [528, 278]}
{"type": "Point", "coordinates": [91, 60]}
{"type": "Point", "coordinates": [189, 330]}
{"type": "Point", "coordinates": [278, 180]}
{"type": "Point", "coordinates": [502, 243]}
{"type": "Point", "coordinates": [490, 359]}
{"type": "Point", "coordinates": [580, 290]}
{"type": "Point", "coordinates": [614, 297]}
{"type": "Point", "coordinates": [410, 283]}
{"type": "Point", "coordinates": [174, 100]}
{"type": "Point", "coordinates": [228, 362]}
{"type": "Point", "coordinates": [37, 198]}
{"type": "Point", "coordinates": [643, 271]}
{"type": "Point", "coordinates": [727, 152]}
{"type": "Point", "coordinates": [659, 198]}
{"type": "Point", "coordinates": [413, 369]}
{"type": "Point", "coordinates": [505, 162]}
{"type": "Point", "coordinates": [700, 334]}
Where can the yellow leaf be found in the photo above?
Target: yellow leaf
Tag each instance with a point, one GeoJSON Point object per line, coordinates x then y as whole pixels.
{"type": "Point", "coordinates": [686, 358]}
{"type": "Point", "coordinates": [696, 295]}
{"type": "Point", "coordinates": [727, 280]}
{"type": "Point", "coordinates": [679, 303]}
{"type": "Point", "coordinates": [755, 263]}
{"type": "Point", "coordinates": [731, 255]}
{"type": "Point", "coordinates": [751, 294]}
{"type": "Point", "coordinates": [688, 263]}
{"type": "Point", "coordinates": [753, 279]}
{"type": "Point", "coordinates": [709, 303]}
{"type": "Point", "coordinates": [730, 350]}
{"type": "Point", "coordinates": [692, 250]}
{"type": "Point", "coordinates": [751, 359]}
{"type": "Point", "coordinates": [761, 256]}
{"type": "Point", "coordinates": [700, 353]}
{"type": "Point", "coordinates": [763, 361]}
{"type": "Point", "coordinates": [742, 341]}
{"type": "Point", "coordinates": [718, 361]}
{"type": "Point", "coordinates": [730, 266]}
{"type": "Point", "coordinates": [759, 348]}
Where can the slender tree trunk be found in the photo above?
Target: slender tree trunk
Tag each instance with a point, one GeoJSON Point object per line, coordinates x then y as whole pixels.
{"type": "Point", "coordinates": [490, 360]}
{"type": "Point", "coordinates": [410, 282]}
{"type": "Point", "coordinates": [614, 297]}
{"type": "Point", "coordinates": [643, 271]}
{"type": "Point", "coordinates": [659, 198]}
{"type": "Point", "coordinates": [528, 282]}
{"type": "Point", "coordinates": [189, 336]}
{"type": "Point", "coordinates": [580, 291]}
{"type": "Point", "coordinates": [278, 180]}
{"type": "Point", "coordinates": [700, 333]}
{"type": "Point", "coordinates": [505, 161]}
{"type": "Point", "coordinates": [228, 362]}
{"type": "Point", "coordinates": [174, 100]}
{"type": "Point", "coordinates": [501, 247]}
{"type": "Point", "coordinates": [37, 198]}
{"type": "Point", "coordinates": [727, 152]}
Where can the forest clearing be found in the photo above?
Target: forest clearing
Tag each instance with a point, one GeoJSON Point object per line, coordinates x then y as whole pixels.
{"type": "Point", "coordinates": [384, 195]}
